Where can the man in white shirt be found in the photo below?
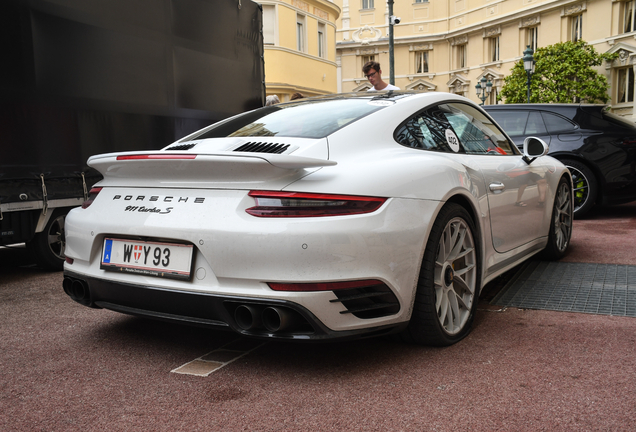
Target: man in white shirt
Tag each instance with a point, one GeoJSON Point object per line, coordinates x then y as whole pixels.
{"type": "Point", "coordinates": [373, 73]}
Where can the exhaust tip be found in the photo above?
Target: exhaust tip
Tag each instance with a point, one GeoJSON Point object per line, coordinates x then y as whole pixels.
{"type": "Point", "coordinates": [276, 319]}
{"type": "Point", "coordinates": [67, 284]}
{"type": "Point", "coordinates": [272, 319]}
{"type": "Point", "coordinates": [247, 317]}
{"type": "Point", "coordinates": [79, 289]}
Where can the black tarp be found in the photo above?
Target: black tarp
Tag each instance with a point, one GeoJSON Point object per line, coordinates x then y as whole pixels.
{"type": "Point", "coordinates": [82, 77]}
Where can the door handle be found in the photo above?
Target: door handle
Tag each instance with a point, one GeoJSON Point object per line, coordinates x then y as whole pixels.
{"type": "Point", "coordinates": [497, 187]}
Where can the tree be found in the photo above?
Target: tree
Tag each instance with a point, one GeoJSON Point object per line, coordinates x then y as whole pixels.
{"type": "Point", "coordinates": [563, 74]}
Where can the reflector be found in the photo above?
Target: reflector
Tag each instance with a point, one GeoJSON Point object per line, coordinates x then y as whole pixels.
{"type": "Point", "coordinates": [323, 286]}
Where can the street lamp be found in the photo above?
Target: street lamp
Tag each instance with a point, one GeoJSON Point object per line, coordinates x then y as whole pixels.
{"type": "Point", "coordinates": [483, 89]}
{"type": "Point", "coordinates": [528, 65]}
{"type": "Point", "coordinates": [392, 22]}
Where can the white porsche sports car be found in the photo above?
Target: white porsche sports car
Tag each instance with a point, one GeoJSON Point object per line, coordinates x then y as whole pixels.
{"type": "Point", "coordinates": [323, 218]}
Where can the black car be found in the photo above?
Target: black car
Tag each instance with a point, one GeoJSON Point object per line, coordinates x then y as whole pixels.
{"type": "Point", "coordinates": [598, 147]}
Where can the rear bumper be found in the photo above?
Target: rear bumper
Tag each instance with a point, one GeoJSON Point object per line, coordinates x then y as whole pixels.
{"type": "Point", "coordinates": [208, 310]}
{"type": "Point", "coordinates": [237, 255]}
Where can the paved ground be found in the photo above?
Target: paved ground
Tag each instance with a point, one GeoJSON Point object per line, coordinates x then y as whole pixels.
{"type": "Point", "coordinates": [64, 367]}
{"type": "Point", "coordinates": [606, 236]}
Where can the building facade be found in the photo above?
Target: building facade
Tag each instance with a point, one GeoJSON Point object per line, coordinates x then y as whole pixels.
{"type": "Point", "coordinates": [300, 54]}
{"type": "Point", "coordinates": [450, 45]}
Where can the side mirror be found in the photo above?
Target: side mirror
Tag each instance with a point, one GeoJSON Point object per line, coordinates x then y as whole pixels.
{"type": "Point", "coordinates": [533, 148]}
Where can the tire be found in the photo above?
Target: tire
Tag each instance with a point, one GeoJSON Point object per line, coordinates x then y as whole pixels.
{"type": "Point", "coordinates": [585, 186]}
{"type": "Point", "coordinates": [48, 246]}
{"type": "Point", "coordinates": [448, 286]}
{"type": "Point", "coordinates": [561, 222]}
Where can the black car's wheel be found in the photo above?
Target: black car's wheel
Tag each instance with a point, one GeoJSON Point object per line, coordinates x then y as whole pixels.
{"type": "Point", "coordinates": [449, 281]}
{"type": "Point", "coordinates": [585, 186]}
{"type": "Point", "coordinates": [48, 246]}
{"type": "Point", "coordinates": [561, 222]}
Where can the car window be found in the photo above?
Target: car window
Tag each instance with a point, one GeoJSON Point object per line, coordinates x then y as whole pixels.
{"type": "Point", "coordinates": [315, 119]}
{"type": "Point", "coordinates": [513, 122]}
{"type": "Point", "coordinates": [424, 131]}
{"type": "Point", "coordinates": [535, 125]}
{"type": "Point", "coordinates": [476, 132]}
{"type": "Point", "coordinates": [555, 123]}
{"type": "Point", "coordinates": [454, 128]}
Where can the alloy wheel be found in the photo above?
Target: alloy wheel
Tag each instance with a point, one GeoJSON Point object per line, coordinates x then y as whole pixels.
{"type": "Point", "coordinates": [562, 214]}
{"type": "Point", "coordinates": [455, 276]}
{"type": "Point", "coordinates": [581, 188]}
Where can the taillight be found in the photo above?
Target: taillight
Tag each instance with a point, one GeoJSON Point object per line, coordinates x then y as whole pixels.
{"type": "Point", "coordinates": [296, 204]}
{"type": "Point", "coordinates": [323, 286]}
{"type": "Point", "coordinates": [91, 197]}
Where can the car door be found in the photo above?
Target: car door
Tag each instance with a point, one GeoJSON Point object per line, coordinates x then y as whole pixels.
{"type": "Point", "coordinates": [518, 200]}
{"type": "Point", "coordinates": [517, 192]}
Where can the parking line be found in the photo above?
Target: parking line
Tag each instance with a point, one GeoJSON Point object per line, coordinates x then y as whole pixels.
{"type": "Point", "coordinates": [216, 359]}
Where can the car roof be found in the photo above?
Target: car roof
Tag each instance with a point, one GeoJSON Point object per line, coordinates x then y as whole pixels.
{"type": "Point", "coordinates": [544, 106]}
{"type": "Point", "coordinates": [567, 110]}
{"type": "Point", "coordinates": [392, 95]}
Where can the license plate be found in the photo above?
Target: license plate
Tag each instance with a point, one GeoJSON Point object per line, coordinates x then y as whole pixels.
{"type": "Point", "coordinates": [167, 260]}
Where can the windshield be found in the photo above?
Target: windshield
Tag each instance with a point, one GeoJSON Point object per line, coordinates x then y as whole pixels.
{"type": "Point", "coordinates": [306, 119]}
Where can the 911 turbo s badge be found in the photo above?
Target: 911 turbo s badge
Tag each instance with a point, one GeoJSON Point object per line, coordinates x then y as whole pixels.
{"type": "Point", "coordinates": [142, 209]}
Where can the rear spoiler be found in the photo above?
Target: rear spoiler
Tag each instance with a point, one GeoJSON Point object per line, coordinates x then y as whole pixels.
{"type": "Point", "coordinates": [277, 160]}
{"type": "Point", "coordinates": [222, 170]}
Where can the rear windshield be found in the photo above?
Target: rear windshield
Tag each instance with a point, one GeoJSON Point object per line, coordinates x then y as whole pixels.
{"type": "Point", "coordinates": [618, 120]}
{"type": "Point", "coordinates": [306, 119]}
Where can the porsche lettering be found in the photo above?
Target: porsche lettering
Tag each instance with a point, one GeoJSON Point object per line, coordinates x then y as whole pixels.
{"type": "Point", "coordinates": [156, 198]}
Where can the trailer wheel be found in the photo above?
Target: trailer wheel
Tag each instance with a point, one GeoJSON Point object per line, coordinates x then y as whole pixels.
{"type": "Point", "coordinates": [48, 246]}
